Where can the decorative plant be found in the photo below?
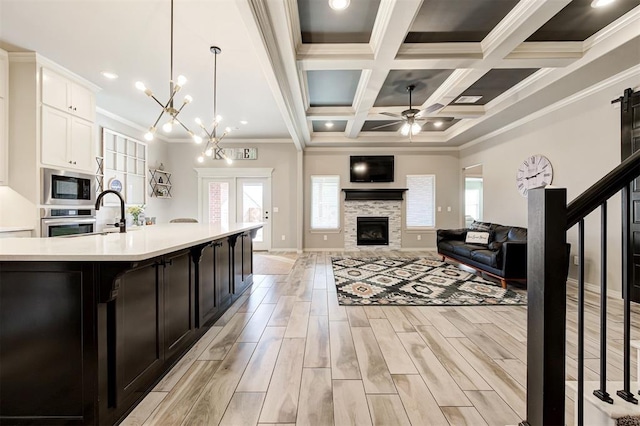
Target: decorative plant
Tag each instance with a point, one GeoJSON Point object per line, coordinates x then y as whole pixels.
{"type": "Point", "coordinates": [135, 211]}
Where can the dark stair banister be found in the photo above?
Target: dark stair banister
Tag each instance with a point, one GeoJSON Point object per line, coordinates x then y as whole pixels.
{"type": "Point", "coordinates": [604, 189]}
{"type": "Point", "coordinates": [549, 218]}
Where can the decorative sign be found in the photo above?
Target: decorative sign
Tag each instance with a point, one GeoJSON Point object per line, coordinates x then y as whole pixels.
{"type": "Point", "coordinates": [239, 153]}
{"type": "Point", "coordinates": [115, 184]}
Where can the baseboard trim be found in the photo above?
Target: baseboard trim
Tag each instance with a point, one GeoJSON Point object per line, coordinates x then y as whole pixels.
{"type": "Point", "coordinates": [595, 288]}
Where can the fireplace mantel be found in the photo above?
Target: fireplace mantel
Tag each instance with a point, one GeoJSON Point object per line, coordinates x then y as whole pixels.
{"type": "Point", "coordinates": [373, 194]}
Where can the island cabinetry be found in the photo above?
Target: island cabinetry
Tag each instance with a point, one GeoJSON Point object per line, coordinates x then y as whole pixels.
{"type": "Point", "coordinates": [242, 261]}
{"type": "Point", "coordinates": [47, 343]}
{"type": "Point", "coordinates": [214, 293]}
{"type": "Point", "coordinates": [148, 324]}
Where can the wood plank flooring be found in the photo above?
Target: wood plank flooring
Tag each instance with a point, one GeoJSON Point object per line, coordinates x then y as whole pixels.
{"type": "Point", "coordinates": [288, 353]}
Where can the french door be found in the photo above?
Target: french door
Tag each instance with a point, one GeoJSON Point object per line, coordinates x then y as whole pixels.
{"type": "Point", "coordinates": [239, 199]}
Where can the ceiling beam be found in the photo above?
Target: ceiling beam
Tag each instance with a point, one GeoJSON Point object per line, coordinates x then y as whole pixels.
{"type": "Point", "coordinates": [278, 61]}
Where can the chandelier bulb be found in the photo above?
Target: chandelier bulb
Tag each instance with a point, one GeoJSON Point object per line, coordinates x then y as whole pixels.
{"type": "Point", "coordinates": [218, 119]}
{"type": "Point", "coordinates": [181, 80]}
{"type": "Point", "coordinates": [188, 99]}
{"type": "Point", "coordinates": [198, 121]}
{"type": "Point", "coordinates": [208, 152]}
{"type": "Point", "coordinates": [168, 126]}
{"type": "Point", "coordinates": [228, 160]}
{"type": "Point", "coordinates": [197, 139]}
{"type": "Point", "coordinates": [227, 130]}
{"type": "Point", "coordinates": [140, 86]}
{"type": "Point", "coordinates": [200, 159]}
{"type": "Point", "coordinates": [149, 135]}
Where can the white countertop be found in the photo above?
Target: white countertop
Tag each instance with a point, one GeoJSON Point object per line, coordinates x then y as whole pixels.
{"type": "Point", "coordinates": [136, 244]}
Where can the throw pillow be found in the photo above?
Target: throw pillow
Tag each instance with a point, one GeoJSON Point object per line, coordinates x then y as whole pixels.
{"type": "Point", "coordinates": [475, 237]}
{"type": "Point", "coordinates": [480, 226]}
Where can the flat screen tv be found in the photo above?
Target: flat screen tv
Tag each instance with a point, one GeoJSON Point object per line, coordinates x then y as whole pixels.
{"type": "Point", "coordinates": [372, 168]}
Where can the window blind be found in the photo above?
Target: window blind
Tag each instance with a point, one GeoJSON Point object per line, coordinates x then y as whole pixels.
{"type": "Point", "coordinates": [325, 202]}
{"type": "Point", "coordinates": [421, 201]}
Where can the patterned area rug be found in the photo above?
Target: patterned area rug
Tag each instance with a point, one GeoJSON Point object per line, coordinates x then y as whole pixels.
{"type": "Point", "coordinates": [417, 281]}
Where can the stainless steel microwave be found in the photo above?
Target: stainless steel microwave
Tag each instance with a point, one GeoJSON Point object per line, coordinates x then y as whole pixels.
{"type": "Point", "coordinates": [62, 187]}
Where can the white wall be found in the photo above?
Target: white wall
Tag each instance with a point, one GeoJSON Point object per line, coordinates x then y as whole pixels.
{"type": "Point", "coordinates": [282, 157]}
{"type": "Point", "coordinates": [157, 152]}
{"type": "Point", "coordinates": [582, 141]}
{"type": "Point", "coordinates": [445, 165]}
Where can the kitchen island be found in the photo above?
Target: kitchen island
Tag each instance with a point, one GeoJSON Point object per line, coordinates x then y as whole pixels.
{"type": "Point", "coordinates": [89, 324]}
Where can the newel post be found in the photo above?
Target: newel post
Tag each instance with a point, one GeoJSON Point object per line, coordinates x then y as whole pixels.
{"type": "Point", "coordinates": [547, 295]}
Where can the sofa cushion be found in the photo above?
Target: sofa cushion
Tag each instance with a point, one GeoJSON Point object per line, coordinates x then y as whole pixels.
{"type": "Point", "coordinates": [517, 234]}
{"type": "Point", "coordinates": [478, 237]}
{"type": "Point", "coordinates": [486, 257]}
{"type": "Point", "coordinates": [480, 226]}
{"type": "Point", "coordinates": [465, 249]}
{"type": "Point", "coordinates": [448, 245]}
{"type": "Point", "coordinates": [500, 233]}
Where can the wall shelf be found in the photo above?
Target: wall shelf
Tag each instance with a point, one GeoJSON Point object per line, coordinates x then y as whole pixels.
{"type": "Point", "coordinates": [160, 183]}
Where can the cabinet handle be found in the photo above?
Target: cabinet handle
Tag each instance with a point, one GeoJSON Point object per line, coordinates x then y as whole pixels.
{"type": "Point", "coordinates": [70, 106]}
{"type": "Point", "coordinates": [75, 109]}
{"type": "Point", "coordinates": [70, 162]}
{"type": "Point", "coordinates": [74, 162]}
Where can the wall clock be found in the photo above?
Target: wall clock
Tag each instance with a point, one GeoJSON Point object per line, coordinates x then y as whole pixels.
{"type": "Point", "coordinates": [534, 172]}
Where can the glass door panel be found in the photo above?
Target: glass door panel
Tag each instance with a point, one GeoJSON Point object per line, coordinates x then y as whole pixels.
{"type": "Point", "coordinates": [254, 201]}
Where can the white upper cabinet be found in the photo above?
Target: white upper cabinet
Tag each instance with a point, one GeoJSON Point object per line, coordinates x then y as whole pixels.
{"type": "Point", "coordinates": [68, 113]}
{"type": "Point", "coordinates": [65, 95]}
{"type": "Point", "coordinates": [4, 117]}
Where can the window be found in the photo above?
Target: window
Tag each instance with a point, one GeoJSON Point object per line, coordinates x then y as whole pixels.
{"type": "Point", "coordinates": [421, 201]}
{"type": "Point", "coordinates": [325, 202]}
{"type": "Point", "coordinates": [472, 199]}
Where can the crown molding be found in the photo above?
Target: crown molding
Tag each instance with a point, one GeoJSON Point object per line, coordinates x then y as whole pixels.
{"type": "Point", "coordinates": [630, 21]}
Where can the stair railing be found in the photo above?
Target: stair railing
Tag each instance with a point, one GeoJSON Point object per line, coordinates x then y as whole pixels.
{"type": "Point", "coordinates": [549, 219]}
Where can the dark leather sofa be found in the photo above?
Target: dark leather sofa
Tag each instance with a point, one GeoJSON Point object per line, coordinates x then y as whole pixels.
{"type": "Point", "coordinates": [504, 258]}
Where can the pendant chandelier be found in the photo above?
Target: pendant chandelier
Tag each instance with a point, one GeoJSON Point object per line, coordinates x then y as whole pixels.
{"type": "Point", "coordinates": [212, 148]}
{"type": "Point", "coordinates": [168, 107]}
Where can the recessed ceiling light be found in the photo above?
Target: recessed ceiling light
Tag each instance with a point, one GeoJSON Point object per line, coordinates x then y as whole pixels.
{"type": "Point", "coordinates": [339, 4]}
{"type": "Point", "coordinates": [467, 99]}
{"type": "Point", "coordinates": [438, 123]}
{"type": "Point", "coordinates": [329, 124]}
{"type": "Point", "coordinates": [244, 122]}
{"type": "Point", "coordinates": [109, 75]}
{"type": "Point", "coordinates": [601, 3]}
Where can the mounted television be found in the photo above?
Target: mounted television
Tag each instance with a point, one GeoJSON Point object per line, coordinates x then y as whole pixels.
{"type": "Point", "coordinates": [372, 168]}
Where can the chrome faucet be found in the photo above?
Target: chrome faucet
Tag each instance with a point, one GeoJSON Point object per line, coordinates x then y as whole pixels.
{"type": "Point", "coordinates": [122, 224]}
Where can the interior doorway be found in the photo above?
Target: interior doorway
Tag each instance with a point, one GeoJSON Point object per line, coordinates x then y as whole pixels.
{"type": "Point", "coordinates": [473, 194]}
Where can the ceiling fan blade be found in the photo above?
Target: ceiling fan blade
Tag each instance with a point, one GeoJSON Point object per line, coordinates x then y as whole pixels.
{"type": "Point", "coordinates": [430, 109]}
{"type": "Point", "coordinates": [391, 114]}
{"type": "Point", "coordinates": [384, 125]}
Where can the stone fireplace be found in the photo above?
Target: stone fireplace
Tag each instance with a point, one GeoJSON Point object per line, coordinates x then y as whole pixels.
{"type": "Point", "coordinates": [371, 208]}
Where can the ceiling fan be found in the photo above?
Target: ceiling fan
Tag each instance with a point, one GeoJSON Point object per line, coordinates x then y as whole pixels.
{"type": "Point", "coordinates": [412, 118]}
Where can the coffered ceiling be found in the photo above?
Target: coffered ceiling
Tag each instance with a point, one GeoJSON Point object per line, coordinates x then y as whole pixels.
{"type": "Point", "coordinates": [297, 70]}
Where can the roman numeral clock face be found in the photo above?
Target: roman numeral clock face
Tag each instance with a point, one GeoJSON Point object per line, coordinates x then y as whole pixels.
{"type": "Point", "coordinates": [534, 172]}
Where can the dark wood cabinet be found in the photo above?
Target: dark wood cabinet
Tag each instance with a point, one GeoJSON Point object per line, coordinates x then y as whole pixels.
{"type": "Point", "coordinates": [47, 345]}
{"type": "Point", "coordinates": [247, 256]}
{"type": "Point", "coordinates": [223, 272]}
{"type": "Point", "coordinates": [135, 336]}
{"type": "Point", "coordinates": [208, 302]}
{"type": "Point", "coordinates": [178, 301]}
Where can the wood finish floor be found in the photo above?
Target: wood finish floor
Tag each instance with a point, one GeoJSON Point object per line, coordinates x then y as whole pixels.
{"type": "Point", "coordinates": [287, 353]}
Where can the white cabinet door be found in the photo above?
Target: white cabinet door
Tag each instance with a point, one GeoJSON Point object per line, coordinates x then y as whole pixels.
{"type": "Point", "coordinates": [55, 135]}
{"type": "Point", "coordinates": [83, 102]}
{"type": "Point", "coordinates": [81, 143]}
{"type": "Point", "coordinates": [55, 90]}
{"type": "Point", "coordinates": [4, 141]}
